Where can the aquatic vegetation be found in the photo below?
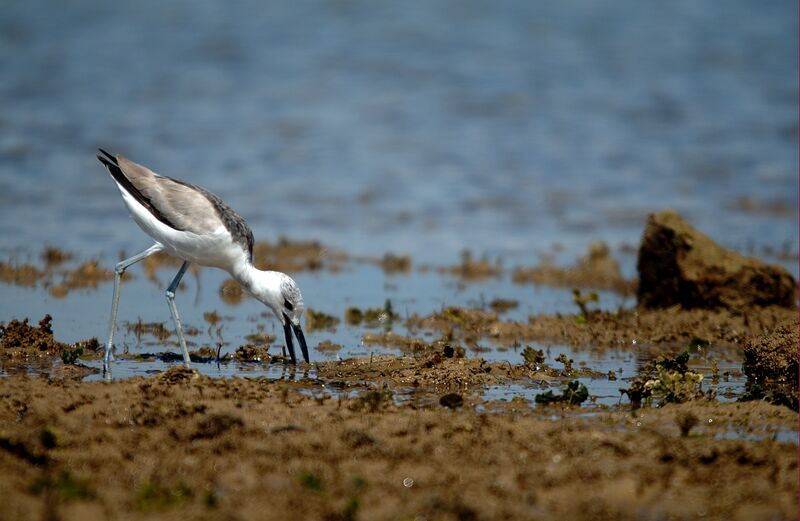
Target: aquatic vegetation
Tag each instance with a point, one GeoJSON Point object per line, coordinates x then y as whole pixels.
{"type": "Point", "coordinates": [583, 301]}
{"type": "Point", "coordinates": [574, 393]}
{"type": "Point", "coordinates": [70, 356]}
{"type": "Point", "coordinates": [667, 380]}
{"type": "Point", "coordinates": [674, 386]}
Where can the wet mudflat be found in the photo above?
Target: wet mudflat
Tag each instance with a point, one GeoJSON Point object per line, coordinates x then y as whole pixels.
{"type": "Point", "coordinates": [475, 409]}
{"type": "Point", "coordinates": [183, 445]}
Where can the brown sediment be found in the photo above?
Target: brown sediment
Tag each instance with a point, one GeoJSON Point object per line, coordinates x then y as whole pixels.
{"type": "Point", "coordinates": [392, 263]}
{"type": "Point", "coordinates": [158, 261]}
{"type": "Point", "coordinates": [86, 275]}
{"type": "Point", "coordinates": [774, 207]}
{"type": "Point", "coordinates": [252, 353]}
{"type": "Point", "coordinates": [772, 356]}
{"type": "Point", "coordinates": [53, 275]}
{"type": "Point", "coordinates": [156, 329]}
{"type": "Point", "coordinates": [605, 329]}
{"type": "Point", "coordinates": [261, 338]}
{"type": "Point", "coordinates": [184, 446]}
{"type": "Point", "coordinates": [433, 372]}
{"type": "Point", "coordinates": [326, 346]}
{"type": "Point", "coordinates": [231, 292]}
{"type": "Point", "coordinates": [296, 256]}
{"type": "Point", "coordinates": [21, 341]}
{"type": "Point", "coordinates": [317, 320]}
{"type": "Point", "coordinates": [53, 256]}
{"type": "Point", "coordinates": [500, 305]}
{"type": "Point", "coordinates": [371, 317]}
{"type": "Point", "coordinates": [596, 270]}
{"type": "Point", "coordinates": [471, 269]}
{"type": "Point", "coordinates": [20, 274]}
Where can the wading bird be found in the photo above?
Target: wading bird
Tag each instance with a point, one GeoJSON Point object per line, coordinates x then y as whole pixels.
{"type": "Point", "coordinates": [194, 225]}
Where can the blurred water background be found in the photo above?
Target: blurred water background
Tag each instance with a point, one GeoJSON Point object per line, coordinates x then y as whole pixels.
{"type": "Point", "coordinates": [421, 128]}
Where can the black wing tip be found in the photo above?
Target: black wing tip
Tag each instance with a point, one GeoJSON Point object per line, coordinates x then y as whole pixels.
{"type": "Point", "coordinates": [106, 158]}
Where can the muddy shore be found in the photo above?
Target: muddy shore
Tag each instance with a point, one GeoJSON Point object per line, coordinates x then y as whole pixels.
{"type": "Point", "coordinates": [183, 446]}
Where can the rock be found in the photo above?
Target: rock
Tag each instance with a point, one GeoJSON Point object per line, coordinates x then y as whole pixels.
{"type": "Point", "coordinates": [680, 265]}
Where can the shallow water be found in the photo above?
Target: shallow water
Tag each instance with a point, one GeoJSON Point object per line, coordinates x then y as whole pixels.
{"type": "Point", "coordinates": [422, 128]}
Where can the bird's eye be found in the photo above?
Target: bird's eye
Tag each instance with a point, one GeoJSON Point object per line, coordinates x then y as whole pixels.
{"type": "Point", "coordinates": [288, 305]}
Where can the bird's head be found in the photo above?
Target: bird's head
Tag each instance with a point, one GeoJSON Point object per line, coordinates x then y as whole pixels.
{"type": "Point", "coordinates": [280, 293]}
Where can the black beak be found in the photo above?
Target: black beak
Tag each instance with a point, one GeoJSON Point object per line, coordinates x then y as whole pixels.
{"type": "Point", "coordinates": [288, 326]}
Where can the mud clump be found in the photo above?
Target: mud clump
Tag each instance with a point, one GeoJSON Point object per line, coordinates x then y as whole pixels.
{"type": "Point", "coordinates": [679, 265]}
{"type": "Point", "coordinates": [770, 363]}
{"type": "Point", "coordinates": [22, 339]}
{"type": "Point", "coordinates": [773, 356]}
{"type": "Point", "coordinates": [596, 270]}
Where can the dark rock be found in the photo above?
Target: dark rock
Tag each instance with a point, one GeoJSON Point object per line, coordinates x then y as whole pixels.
{"type": "Point", "coordinates": [679, 265]}
{"type": "Point", "coordinates": [452, 400]}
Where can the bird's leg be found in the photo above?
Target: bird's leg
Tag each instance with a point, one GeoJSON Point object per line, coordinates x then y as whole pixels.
{"type": "Point", "coordinates": [118, 271]}
{"type": "Point", "coordinates": [174, 310]}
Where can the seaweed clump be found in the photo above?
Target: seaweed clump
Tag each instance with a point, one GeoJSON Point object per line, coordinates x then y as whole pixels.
{"type": "Point", "coordinates": [667, 380]}
{"type": "Point", "coordinates": [574, 393]}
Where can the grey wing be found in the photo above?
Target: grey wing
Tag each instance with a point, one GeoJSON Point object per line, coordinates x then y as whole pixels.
{"type": "Point", "coordinates": [182, 205]}
{"type": "Point", "coordinates": [185, 206]}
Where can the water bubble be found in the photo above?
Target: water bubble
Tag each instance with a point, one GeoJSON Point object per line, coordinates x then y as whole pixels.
{"type": "Point", "coordinates": [408, 482]}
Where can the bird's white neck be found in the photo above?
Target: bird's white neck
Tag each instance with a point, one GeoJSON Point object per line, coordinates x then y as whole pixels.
{"type": "Point", "coordinates": [257, 282]}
